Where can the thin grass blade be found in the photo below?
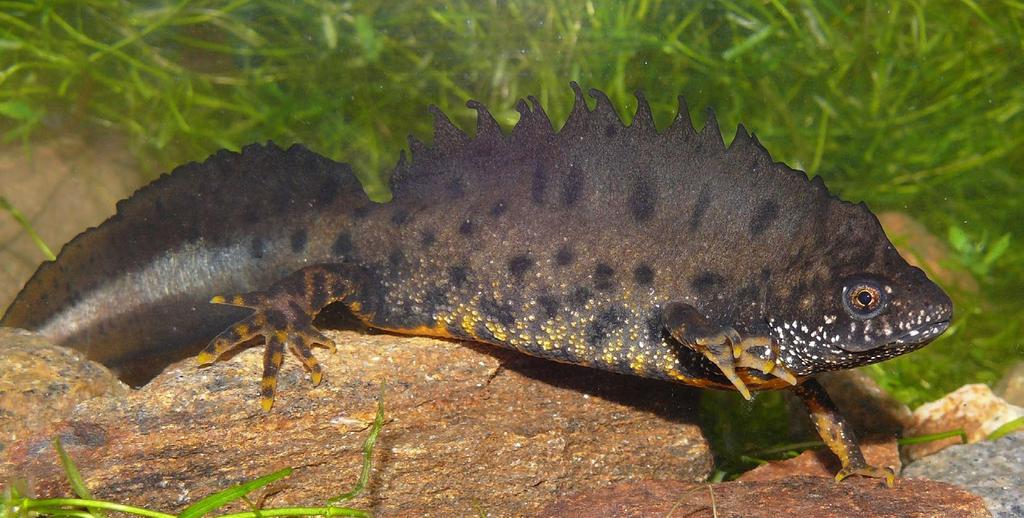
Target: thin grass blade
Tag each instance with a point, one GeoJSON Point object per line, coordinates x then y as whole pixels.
{"type": "Point", "coordinates": [27, 227]}
{"type": "Point", "coordinates": [75, 477]}
{"type": "Point", "coordinates": [231, 494]}
{"type": "Point", "coordinates": [1006, 429]}
{"type": "Point", "coordinates": [959, 432]}
{"type": "Point", "coordinates": [371, 440]}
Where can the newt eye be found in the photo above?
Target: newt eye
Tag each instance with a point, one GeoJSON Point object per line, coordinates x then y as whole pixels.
{"type": "Point", "coordinates": [863, 299]}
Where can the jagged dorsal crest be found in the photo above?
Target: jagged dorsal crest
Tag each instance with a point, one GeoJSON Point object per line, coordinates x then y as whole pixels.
{"type": "Point", "coordinates": [448, 138]}
{"type": "Point", "coordinates": [576, 123]}
{"type": "Point", "coordinates": [742, 141]}
{"type": "Point", "coordinates": [643, 119]}
{"type": "Point", "coordinates": [487, 128]}
{"type": "Point", "coordinates": [534, 125]}
{"type": "Point", "coordinates": [604, 116]}
{"type": "Point", "coordinates": [534, 122]}
{"type": "Point", "coordinates": [583, 125]}
{"type": "Point", "coordinates": [710, 137]}
{"type": "Point", "coordinates": [682, 127]}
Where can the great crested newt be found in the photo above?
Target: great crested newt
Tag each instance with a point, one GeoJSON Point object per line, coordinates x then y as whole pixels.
{"type": "Point", "coordinates": [660, 254]}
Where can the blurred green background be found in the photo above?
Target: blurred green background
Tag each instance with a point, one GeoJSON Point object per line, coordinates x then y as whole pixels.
{"type": "Point", "coordinates": [915, 107]}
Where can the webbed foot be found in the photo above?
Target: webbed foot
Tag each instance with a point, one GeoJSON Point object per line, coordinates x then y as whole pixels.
{"type": "Point", "coordinates": [724, 347]}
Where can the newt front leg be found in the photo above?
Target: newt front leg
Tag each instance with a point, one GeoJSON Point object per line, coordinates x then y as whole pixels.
{"type": "Point", "coordinates": [723, 346]}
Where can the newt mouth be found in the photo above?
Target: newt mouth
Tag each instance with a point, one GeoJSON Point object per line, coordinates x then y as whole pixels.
{"type": "Point", "coordinates": [923, 333]}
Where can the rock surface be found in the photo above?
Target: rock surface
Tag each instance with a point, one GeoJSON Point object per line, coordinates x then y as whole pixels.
{"type": "Point", "coordinates": [972, 408]}
{"type": "Point", "coordinates": [468, 428]}
{"type": "Point", "coordinates": [869, 409]}
{"type": "Point", "coordinates": [822, 463]}
{"type": "Point", "coordinates": [1011, 387]}
{"type": "Point", "coordinates": [792, 496]}
{"type": "Point", "coordinates": [62, 186]}
{"type": "Point", "coordinates": [993, 470]}
{"type": "Point", "coordinates": [41, 383]}
{"type": "Point", "coordinates": [925, 250]}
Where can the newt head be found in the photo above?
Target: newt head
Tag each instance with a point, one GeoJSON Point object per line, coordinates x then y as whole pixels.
{"type": "Point", "coordinates": [858, 302]}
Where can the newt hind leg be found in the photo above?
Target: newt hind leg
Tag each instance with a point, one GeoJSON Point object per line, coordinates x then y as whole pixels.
{"type": "Point", "coordinates": [283, 316]}
{"type": "Point", "coordinates": [723, 346]}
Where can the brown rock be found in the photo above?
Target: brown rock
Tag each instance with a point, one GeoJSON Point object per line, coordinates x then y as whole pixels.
{"type": "Point", "coordinates": [41, 383]}
{"type": "Point", "coordinates": [869, 409]}
{"type": "Point", "coordinates": [822, 463]}
{"type": "Point", "coordinates": [468, 427]}
{"type": "Point", "coordinates": [972, 408]}
{"type": "Point", "coordinates": [876, 418]}
{"type": "Point", "coordinates": [793, 496]}
{"type": "Point", "coordinates": [922, 249]}
{"type": "Point", "coordinates": [62, 186]}
{"type": "Point", "coordinates": [1011, 387]}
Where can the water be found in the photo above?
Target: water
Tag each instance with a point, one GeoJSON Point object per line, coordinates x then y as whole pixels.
{"type": "Point", "coordinates": [917, 110]}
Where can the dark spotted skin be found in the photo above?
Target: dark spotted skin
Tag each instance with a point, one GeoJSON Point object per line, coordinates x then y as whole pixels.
{"type": "Point", "coordinates": [665, 255]}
